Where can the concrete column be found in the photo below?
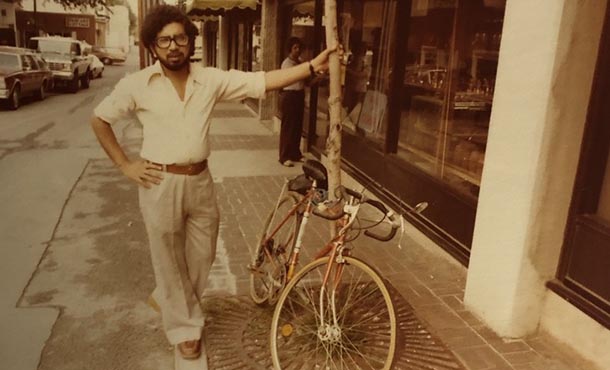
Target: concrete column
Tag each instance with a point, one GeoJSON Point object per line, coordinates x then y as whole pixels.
{"type": "Point", "coordinates": [530, 163]}
{"type": "Point", "coordinates": [270, 50]}
{"type": "Point", "coordinates": [223, 43]}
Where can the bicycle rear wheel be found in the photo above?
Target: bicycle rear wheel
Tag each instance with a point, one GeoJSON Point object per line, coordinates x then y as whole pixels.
{"type": "Point", "coordinates": [364, 334]}
{"type": "Point", "coordinates": [268, 269]}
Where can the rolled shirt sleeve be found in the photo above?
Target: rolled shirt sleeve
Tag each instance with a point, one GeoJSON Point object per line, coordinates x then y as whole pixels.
{"type": "Point", "coordinates": [119, 105]}
{"type": "Point", "coordinates": [237, 85]}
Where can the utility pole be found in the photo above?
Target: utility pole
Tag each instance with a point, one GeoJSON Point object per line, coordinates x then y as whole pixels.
{"type": "Point", "coordinates": [35, 20]}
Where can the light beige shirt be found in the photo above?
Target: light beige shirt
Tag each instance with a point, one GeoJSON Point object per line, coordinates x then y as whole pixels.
{"type": "Point", "coordinates": [297, 86]}
{"type": "Point", "coordinates": [176, 131]}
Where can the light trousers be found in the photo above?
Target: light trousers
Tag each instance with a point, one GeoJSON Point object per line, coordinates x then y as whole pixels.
{"type": "Point", "coordinates": [181, 218]}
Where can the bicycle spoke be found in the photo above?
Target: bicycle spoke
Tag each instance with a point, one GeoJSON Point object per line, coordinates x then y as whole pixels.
{"type": "Point", "coordinates": [267, 274]}
{"type": "Point", "coordinates": [363, 337]}
{"type": "Point", "coordinates": [361, 355]}
{"type": "Point", "coordinates": [371, 316]}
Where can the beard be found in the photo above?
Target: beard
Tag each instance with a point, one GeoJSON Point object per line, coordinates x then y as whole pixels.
{"type": "Point", "coordinates": [174, 61]}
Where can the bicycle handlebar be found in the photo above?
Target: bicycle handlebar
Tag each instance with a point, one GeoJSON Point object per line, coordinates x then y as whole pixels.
{"type": "Point", "coordinates": [345, 192]}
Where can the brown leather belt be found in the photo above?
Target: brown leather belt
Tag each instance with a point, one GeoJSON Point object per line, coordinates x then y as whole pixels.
{"type": "Point", "coordinates": [186, 169]}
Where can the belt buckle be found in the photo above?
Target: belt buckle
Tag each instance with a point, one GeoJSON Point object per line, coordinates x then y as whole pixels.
{"type": "Point", "coordinates": [190, 168]}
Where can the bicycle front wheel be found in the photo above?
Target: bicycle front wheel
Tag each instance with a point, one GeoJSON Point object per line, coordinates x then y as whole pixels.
{"type": "Point", "coordinates": [348, 325]}
{"type": "Point", "coordinates": [268, 266]}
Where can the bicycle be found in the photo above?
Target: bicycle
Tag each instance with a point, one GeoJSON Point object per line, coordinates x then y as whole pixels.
{"type": "Point", "coordinates": [337, 313]}
{"type": "Point", "coordinates": [277, 253]}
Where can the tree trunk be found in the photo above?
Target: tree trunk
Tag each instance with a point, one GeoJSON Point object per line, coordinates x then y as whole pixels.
{"type": "Point", "coordinates": [333, 143]}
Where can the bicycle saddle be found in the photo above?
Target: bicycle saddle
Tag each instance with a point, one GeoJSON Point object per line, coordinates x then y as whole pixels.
{"type": "Point", "coordinates": [300, 184]}
{"type": "Point", "coordinates": [316, 171]}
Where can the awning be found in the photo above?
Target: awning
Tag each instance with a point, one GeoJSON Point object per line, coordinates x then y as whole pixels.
{"type": "Point", "coordinates": [218, 7]}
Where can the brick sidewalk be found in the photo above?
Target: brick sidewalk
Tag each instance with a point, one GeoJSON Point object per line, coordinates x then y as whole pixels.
{"type": "Point", "coordinates": [431, 283]}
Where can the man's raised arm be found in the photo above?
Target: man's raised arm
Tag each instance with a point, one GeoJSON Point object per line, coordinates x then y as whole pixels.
{"type": "Point", "coordinates": [279, 78]}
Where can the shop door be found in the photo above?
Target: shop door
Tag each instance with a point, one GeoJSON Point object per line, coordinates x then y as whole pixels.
{"type": "Point", "coordinates": [584, 273]}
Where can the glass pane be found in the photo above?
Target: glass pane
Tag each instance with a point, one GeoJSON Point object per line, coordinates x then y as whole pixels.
{"type": "Point", "coordinates": [448, 86]}
{"type": "Point", "coordinates": [365, 29]}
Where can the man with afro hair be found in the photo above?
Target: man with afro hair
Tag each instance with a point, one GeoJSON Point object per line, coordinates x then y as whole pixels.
{"type": "Point", "coordinates": [173, 100]}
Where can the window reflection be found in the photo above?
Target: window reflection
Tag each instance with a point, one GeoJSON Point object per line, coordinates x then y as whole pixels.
{"type": "Point", "coordinates": [444, 66]}
{"type": "Point", "coordinates": [452, 53]}
{"type": "Point", "coordinates": [365, 31]}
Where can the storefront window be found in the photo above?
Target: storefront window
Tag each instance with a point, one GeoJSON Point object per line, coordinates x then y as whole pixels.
{"type": "Point", "coordinates": [365, 30]}
{"type": "Point", "coordinates": [448, 86]}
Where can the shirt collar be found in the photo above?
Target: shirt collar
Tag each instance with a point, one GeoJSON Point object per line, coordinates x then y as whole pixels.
{"type": "Point", "coordinates": [196, 72]}
{"type": "Point", "coordinates": [152, 70]}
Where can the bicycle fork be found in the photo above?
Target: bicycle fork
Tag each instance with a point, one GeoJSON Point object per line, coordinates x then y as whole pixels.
{"type": "Point", "coordinates": [330, 330]}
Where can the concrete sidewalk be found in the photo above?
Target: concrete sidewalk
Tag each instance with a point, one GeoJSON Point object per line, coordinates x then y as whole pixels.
{"type": "Point", "coordinates": [428, 279]}
{"type": "Point", "coordinates": [97, 272]}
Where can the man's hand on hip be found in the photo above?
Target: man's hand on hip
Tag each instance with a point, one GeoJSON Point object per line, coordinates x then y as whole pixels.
{"type": "Point", "coordinates": [142, 172]}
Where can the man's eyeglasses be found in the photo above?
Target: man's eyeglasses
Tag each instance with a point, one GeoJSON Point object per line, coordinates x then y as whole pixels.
{"type": "Point", "coordinates": [164, 42]}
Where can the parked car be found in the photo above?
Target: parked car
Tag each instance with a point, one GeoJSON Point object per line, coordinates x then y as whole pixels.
{"type": "Point", "coordinates": [109, 55]}
{"type": "Point", "coordinates": [22, 73]}
{"type": "Point", "coordinates": [97, 67]}
{"type": "Point", "coordinates": [67, 60]}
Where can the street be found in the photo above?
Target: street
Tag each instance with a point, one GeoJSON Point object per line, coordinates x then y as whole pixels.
{"type": "Point", "coordinates": [45, 149]}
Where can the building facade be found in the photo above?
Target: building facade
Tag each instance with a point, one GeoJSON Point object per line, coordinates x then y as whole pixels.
{"type": "Point", "coordinates": [79, 26]}
{"type": "Point", "coordinates": [493, 112]}
{"type": "Point", "coordinates": [7, 22]}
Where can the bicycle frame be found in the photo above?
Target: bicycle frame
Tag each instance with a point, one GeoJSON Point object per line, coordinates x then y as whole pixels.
{"type": "Point", "coordinates": [335, 247]}
{"type": "Point", "coordinates": [294, 254]}
{"type": "Point", "coordinates": [337, 309]}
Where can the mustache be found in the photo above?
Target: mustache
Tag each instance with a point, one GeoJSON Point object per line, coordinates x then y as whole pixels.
{"type": "Point", "coordinates": [175, 54]}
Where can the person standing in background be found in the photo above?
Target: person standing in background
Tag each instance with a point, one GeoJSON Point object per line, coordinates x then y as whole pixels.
{"type": "Point", "coordinates": [292, 106]}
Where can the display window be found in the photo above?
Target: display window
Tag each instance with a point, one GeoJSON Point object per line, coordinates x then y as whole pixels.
{"type": "Point", "coordinates": [365, 30]}
{"type": "Point", "coordinates": [447, 55]}
{"type": "Point", "coordinates": [583, 276]}
{"type": "Point", "coordinates": [447, 89]}
{"type": "Point", "coordinates": [417, 83]}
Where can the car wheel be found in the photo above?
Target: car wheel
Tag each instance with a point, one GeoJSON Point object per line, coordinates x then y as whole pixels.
{"type": "Point", "coordinates": [85, 80]}
{"type": "Point", "coordinates": [42, 93]}
{"type": "Point", "coordinates": [107, 61]}
{"type": "Point", "coordinates": [101, 73]}
{"type": "Point", "coordinates": [15, 98]}
{"type": "Point", "coordinates": [73, 87]}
